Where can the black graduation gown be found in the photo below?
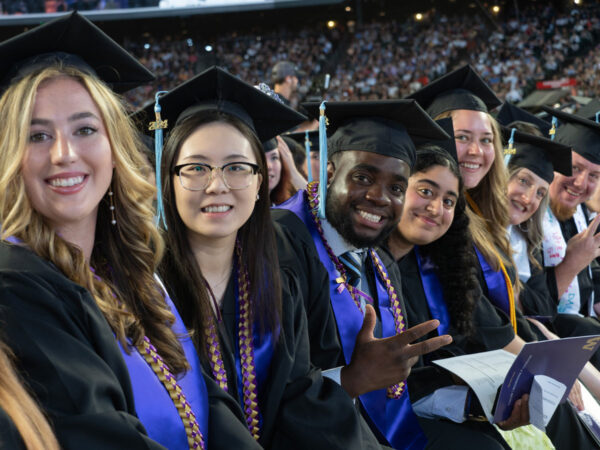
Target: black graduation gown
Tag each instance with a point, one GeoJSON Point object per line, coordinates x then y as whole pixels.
{"type": "Point", "coordinates": [300, 408]}
{"type": "Point", "coordinates": [67, 355]}
{"type": "Point", "coordinates": [537, 300]}
{"type": "Point", "coordinates": [9, 435]}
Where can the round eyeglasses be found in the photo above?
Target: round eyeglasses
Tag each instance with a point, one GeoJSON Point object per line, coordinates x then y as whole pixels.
{"type": "Point", "coordinates": [197, 176]}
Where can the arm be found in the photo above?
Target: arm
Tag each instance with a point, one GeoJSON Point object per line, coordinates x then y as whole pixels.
{"type": "Point", "coordinates": [298, 181]}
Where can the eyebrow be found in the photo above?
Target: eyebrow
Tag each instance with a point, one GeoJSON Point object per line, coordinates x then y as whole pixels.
{"type": "Point", "coordinates": [471, 132]}
{"type": "Point", "coordinates": [71, 118]}
{"type": "Point", "coordinates": [229, 157]}
{"type": "Point", "coordinates": [437, 186]}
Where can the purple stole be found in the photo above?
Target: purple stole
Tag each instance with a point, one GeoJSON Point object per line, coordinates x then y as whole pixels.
{"type": "Point", "coordinates": [433, 292]}
{"type": "Point", "coordinates": [153, 404]}
{"type": "Point", "coordinates": [496, 284]}
{"type": "Point", "coordinates": [394, 418]}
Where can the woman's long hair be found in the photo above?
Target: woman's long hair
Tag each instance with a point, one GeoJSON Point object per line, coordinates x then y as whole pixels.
{"type": "Point", "coordinates": [489, 231]}
{"type": "Point", "coordinates": [22, 410]}
{"type": "Point", "coordinates": [284, 189]}
{"type": "Point", "coordinates": [124, 255]}
{"type": "Point", "coordinates": [453, 253]}
{"type": "Point", "coordinates": [180, 270]}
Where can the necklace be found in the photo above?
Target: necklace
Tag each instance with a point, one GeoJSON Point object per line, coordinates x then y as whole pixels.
{"type": "Point", "coordinates": [246, 345]}
{"type": "Point", "coordinates": [396, 390]}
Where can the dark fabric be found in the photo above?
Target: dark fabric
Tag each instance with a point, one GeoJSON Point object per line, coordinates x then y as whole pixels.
{"type": "Point", "coordinates": [67, 355]}
{"type": "Point", "coordinates": [9, 435]}
{"type": "Point", "coordinates": [566, 431]}
{"type": "Point", "coordinates": [446, 435]}
{"type": "Point", "coordinates": [300, 409]}
{"type": "Point", "coordinates": [534, 296]}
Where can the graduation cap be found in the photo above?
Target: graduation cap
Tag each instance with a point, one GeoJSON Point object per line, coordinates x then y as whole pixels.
{"type": "Point", "coordinates": [580, 134]}
{"type": "Point", "coordinates": [540, 155]}
{"type": "Point", "coordinates": [75, 41]}
{"type": "Point", "coordinates": [460, 89]}
{"type": "Point", "coordinates": [590, 110]}
{"type": "Point", "coordinates": [217, 90]}
{"type": "Point", "coordinates": [510, 113]}
{"type": "Point", "coordinates": [270, 145]}
{"type": "Point", "coordinates": [385, 127]}
{"type": "Point", "coordinates": [448, 145]}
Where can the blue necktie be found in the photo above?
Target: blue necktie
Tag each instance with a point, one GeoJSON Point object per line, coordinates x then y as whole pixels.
{"type": "Point", "coordinates": [353, 264]}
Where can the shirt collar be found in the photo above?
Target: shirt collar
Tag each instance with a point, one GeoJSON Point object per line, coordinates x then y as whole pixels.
{"type": "Point", "coordinates": [336, 242]}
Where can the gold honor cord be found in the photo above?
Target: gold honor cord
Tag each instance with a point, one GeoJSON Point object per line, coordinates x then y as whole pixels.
{"type": "Point", "coordinates": [509, 286]}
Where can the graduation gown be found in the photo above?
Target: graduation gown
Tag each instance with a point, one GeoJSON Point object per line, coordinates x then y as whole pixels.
{"type": "Point", "coordinates": [391, 420]}
{"type": "Point", "coordinates": [299, 409]}
{"type": "Point", "coordinates": [67, 355]}
{"type": "Point", "coordinates": [9, 435]}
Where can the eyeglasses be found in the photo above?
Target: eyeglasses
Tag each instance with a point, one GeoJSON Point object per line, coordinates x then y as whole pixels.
{"type": "Point", "coordinates": [197, 176]}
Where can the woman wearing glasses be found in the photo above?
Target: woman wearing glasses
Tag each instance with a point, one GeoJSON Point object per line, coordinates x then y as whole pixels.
{"type": "Point", "coordinates": [222, 267]}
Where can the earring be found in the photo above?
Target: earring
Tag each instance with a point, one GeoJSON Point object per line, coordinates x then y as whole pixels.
{"type": "Point", "coordinates": [257, 197]}
{"type": "Point", "coordinates": [112, 207]}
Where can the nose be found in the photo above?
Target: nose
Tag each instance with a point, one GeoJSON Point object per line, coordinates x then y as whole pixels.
{"type": "Point", "coordinates": [434, 207]}
{"type": "Point", "coordinates": [216, 183]}
{"type": "Point", "coordinates": [527, 196]}
{"type": "Point", "coordinates": [376, 194]}
{"type": "Point", "coordinates": [474, 149]}
{"type": "Point", "coordinates": [580, 180]}
{"type": "Point", "coordinates": [62, 151]}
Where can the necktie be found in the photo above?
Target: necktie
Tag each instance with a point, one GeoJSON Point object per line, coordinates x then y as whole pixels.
{"type": "Point", "coordinates": [353, 264]}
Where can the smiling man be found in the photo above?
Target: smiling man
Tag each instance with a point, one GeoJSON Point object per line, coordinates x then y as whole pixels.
{"type": "Point", "coordinates": [371, 154]}
{"type": "Point", "coordinates": [570, 248]}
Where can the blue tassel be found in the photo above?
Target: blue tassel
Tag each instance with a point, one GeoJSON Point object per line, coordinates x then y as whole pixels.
{"type": "Point", "coordinates": [511, 147]}
{"type": "Point", "coordinates": [307, 148]}
{"type": "Point", "coordinates": [597, 116]}
{"type": "Point", "coordinates": [158, 127]}
{"type": "Point", "coordinates": [322, 160]}
{"type": "Point", "coordinates": [552, 131]}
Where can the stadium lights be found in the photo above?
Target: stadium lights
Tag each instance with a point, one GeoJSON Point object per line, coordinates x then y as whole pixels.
{"type": "Point", "coordinates": [348, 8]}
{"type": "Point", "coordinates": [147, 46]}
{"type": "Point", "coordinates": [495, 9]}
{"type": "Point", "coordinates": [331, 24]}
{"type": "Point", "coordinates": [208, 48]}
{"type": "Point", "coordinates": [418, 17]}
{"type": "Point", "coordinates": [577, 2]}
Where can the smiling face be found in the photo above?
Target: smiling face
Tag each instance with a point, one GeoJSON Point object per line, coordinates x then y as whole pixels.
{"type": "Point", "coordinates": [568, 192]}
{"type": "Point", "coordinates": [68, 164]}
{"type": "Point", "coordinates": [525, 192]}
{"type": "Point", "coordinates": [274, 168]}
{"type": "Point", "coordinates": [217, 211]}
{"type": "Point", "coordinates": [429, 206]}
{"type": "Point", "coordinates": [365, 195]}
{"type": "Point", "coordinates": [474, 145]}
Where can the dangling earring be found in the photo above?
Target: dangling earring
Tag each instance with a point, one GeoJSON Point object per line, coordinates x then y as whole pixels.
{"type": "Point", "coordinates": [257, 197]}
{"type": "Point", "coordinates": [112, 207]}
{"type": "Point", "coordinates": [525, 228]}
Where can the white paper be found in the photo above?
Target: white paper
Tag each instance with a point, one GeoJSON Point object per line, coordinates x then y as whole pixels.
{"type": "Point", "coordinates": [483, 372]}
{"type": "Point", "coordinates": [544, 398]}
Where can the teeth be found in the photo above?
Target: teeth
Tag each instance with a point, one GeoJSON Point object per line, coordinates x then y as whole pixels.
{"type": "Point", "coordinates": [216, 209]}
{"type": "Point", "coordinates": [570, 192]}
{"type": "Point", "coordinates": [370, 217]}
{"type": "Point", "coordinates": [470, 165]}
{"type": "Point", "coordinates": [66, 182]}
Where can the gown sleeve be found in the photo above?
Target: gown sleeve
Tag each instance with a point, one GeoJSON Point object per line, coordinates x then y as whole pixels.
{"type": "Point", "coordinates": [68, 356]}
{"type": "Point", "coordinates": [535, 297]}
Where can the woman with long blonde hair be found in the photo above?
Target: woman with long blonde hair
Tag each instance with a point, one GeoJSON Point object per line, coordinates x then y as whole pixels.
{"type": "Point", "coordinates": [79, 249]}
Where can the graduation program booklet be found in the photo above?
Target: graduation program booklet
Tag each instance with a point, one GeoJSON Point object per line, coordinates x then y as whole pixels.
{"type": "Point", "coordinates": [545, 370]}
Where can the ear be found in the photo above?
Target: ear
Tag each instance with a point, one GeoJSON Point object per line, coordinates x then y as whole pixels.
{"type": "Point", "coordinates": [330, 171]}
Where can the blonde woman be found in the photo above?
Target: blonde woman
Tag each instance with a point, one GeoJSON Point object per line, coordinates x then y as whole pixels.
{"type": "Point", "coordinates": [79, 250]}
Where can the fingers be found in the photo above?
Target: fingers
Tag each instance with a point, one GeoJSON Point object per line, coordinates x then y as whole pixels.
{"type": "Point", "coordinates": [366, 331]}
{"type": "Point", "coordinates": [519, 415]}
{"type": "Point", "coordinates": [593, 226]}
{"type": "Point", "coordinates": [575, 396]}
{"type": "Point", "coordinates": [428, 346]}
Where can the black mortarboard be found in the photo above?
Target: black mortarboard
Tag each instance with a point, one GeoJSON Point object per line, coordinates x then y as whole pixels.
{"type": "Point", "coordinates": [448, 145]}
{"type": "Point", "coordinates": [589, 111]}
{"type": "Point", "coordinates": [217, 90]}
{"type": "Point", "coordinates": [385, 127]}
{"type": "Point", "coordinates": [582, 135]}
{"type": "Point", "coordinates": [270, 145]}
{"type": "Point", "coordinates": [300, 138]}
{"type": "Point", "coordinates": [73, 40]}
{"type": "Point", "coordinates": [510, 113]}
{"type": "Point", "coordinates": [540, 155]}
{"type": "Point", "coordinates": [461, 89]}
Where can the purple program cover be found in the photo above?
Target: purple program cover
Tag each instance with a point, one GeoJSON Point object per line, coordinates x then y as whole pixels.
{"type": "Point", "coordinates": [561, 359]}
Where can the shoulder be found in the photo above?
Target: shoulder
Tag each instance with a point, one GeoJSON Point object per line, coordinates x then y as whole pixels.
{"type": "Point", "coordinates": [9, 435]}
